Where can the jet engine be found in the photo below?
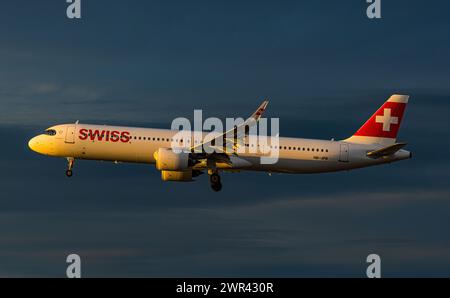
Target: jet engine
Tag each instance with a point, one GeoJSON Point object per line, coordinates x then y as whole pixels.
{"type": "Point", "coordinates": [168, 160]}
{"type": "Point", "coordinates": [183, 176]}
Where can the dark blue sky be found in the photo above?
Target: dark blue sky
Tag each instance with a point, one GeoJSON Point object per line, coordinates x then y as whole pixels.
{"type": "Point", "coordinates": [325, 67]}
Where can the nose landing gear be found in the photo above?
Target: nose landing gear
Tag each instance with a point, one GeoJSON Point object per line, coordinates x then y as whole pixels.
{"type": "Point", "coordinates": [70, 162]}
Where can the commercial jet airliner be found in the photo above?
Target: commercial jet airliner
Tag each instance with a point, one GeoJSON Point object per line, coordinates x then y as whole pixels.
{"type": "Point", "coordinates": [374, 143]}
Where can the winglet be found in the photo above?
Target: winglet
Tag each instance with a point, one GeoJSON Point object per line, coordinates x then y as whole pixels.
{"type": "Point", "coordinates": [236, 132]}
{"type": "Point", "coordinates": [260, 111]}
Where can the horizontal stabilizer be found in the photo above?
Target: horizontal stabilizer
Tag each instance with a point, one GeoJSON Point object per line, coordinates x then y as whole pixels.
{"type": "Point", "coordinates": [386, 151]}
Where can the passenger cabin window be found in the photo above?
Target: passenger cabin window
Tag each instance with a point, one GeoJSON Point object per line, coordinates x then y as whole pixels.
{"type": "Point", "coordinates": [50, 132]}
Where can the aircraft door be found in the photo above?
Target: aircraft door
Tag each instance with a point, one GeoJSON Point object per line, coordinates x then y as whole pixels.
{"type": "Point", "coordinates": [70, 134]}
{"type": "Point", "coordinates": [343, 156]}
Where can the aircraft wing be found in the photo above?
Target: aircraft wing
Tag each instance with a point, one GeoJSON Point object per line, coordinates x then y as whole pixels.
{"type": "Point", "coordinates": [386, 151]}
{"type": "Point", "coordinates": [232, 138]}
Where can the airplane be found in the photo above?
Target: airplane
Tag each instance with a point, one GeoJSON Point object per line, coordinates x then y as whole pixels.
{"type": "Point", "coordinates": [374, 143]}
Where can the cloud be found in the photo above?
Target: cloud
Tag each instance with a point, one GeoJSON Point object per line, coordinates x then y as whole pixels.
{"type": "Point", "coordinates": [283, 236]}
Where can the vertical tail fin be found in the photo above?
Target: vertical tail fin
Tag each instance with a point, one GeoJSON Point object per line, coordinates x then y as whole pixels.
{"type": "Point", "coordinates": [382, 128]}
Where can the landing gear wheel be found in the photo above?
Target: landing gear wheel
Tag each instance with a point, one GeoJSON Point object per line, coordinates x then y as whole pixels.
{"type": "Point", "coordinates": [216, 185]}
{"type": "Point", "coordinates": [214, 179]}
{"type": "Point", "coordinates": [69, 173]}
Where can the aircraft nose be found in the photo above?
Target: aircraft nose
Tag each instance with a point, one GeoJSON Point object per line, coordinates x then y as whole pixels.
{"type": "Point", "coordinates": [33, 144]}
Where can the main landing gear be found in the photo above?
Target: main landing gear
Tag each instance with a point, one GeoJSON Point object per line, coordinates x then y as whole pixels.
{"type": "Point", "coordinates": [70, 162]}
{"type": "Point", "coordinates": [214, 178]}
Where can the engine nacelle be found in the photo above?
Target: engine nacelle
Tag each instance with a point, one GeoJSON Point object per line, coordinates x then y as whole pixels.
{"type": "Point", "coordinates": [183, 176]}
{"type": "Point", "coordinates": [167, 160]}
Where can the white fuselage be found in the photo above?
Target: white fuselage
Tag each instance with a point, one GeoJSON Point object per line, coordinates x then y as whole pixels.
{"type": "Point", "coordinates": [138, 145]}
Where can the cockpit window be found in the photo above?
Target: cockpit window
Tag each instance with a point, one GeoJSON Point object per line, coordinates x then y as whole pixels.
{"type": "Point", "coordinates": [50, 132]}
